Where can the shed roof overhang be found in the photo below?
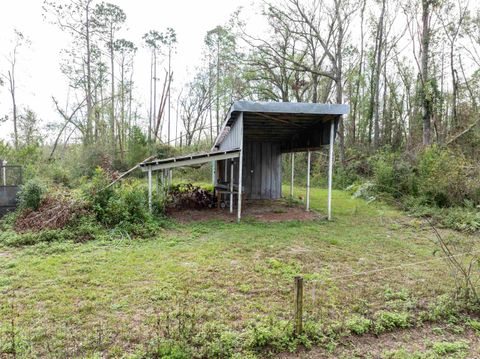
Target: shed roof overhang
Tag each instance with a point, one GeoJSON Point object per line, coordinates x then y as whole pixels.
{"type": "Point", "coordinates": [297, 126]}
{"type": "Point", "coordinates": [189, 160]}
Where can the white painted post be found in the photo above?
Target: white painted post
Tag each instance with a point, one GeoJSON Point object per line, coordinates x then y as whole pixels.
{"type": "Point", "coordinates": [292, 174]}
{"type": "Point", "coordinates": [330, 169]}
{"type": "Point", "coordinates": [150, 189]}
{"type": "Point", "coordinates": [240, 168]}
{"type": "Point", "coordinates": [231, 185]}
{"type": "Point", "coordinates": [309, 157]}
{"type": "Point", "coordinates": [3, 164]}
{"type": "Point", "coordinates": [214, 172]}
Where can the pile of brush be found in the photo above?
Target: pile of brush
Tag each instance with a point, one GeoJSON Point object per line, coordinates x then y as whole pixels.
{"type": "Point", "coordinates": [188, 196]}
{"type": "Point", "coordinates": [54, 212]}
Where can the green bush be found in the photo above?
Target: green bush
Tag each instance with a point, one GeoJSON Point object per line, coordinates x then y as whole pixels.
{"type": "Point", "coordinates": [31, 194]}
{"type": "Point", "coordinates": [60, 175]}
{"type": "Point", "coordinates": [443, 177]}
{"type": "Point", "coordinates": [393, 175]}
{"type": "Point", "coordinates": [124, 204]}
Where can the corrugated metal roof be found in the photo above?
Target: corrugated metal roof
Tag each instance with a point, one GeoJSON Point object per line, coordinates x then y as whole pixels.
{"type": "Point", "coordinates": [278, 120]}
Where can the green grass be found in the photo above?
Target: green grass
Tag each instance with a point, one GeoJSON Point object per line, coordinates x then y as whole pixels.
{"type": "Point", "coordinates": [215, 286]}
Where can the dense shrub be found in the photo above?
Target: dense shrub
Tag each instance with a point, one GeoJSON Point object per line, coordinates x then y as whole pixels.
{"type": "Point", "coordinates": [122, 204]}
{"type": "Point", "coordinates": [446, 178]}
{"type": "Point", "coordinates": [393, 175]}
{"type": "Point", "coordinates": [31, 194]}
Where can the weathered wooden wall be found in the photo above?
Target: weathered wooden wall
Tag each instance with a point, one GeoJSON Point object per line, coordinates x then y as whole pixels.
{"type": "Point", "coordinates": [233, 138]}
{"type": "Point", "coordinates": [262, 174]}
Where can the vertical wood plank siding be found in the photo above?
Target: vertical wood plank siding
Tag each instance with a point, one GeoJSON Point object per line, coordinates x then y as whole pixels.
{"type": "Point", "coordinates": [262, 165]}
{"type": "Point", "coordinates": [262, 174]}
{"type": "Point", "coordinates": [232, 140]}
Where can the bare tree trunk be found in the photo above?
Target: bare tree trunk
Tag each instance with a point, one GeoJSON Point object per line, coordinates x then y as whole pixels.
{"type": "Point", "coordinates": [425, 100]}
{"type": "Point", "coordinates": [150, 117]}
{"type": "Point", "coordinates": [112, 84]}
{"type": "Point", "coordinates": [88, 135]}
{"type": "Point", "coordinates": [378, 70]}
{"type": "Point", "coordinates": [339, 77]}
{"type": "Point", "coordinates": [155, 86]}
{"type": "Point", "coordinates": [218, 86]}
{"type": "Point", "coordinates": [12, 88]}
{"type": "Point", "coordinates": [359, 77]}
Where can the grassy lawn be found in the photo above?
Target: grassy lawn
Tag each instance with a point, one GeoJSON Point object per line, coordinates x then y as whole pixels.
{"type": "Point", "coordinates": [222, 287]}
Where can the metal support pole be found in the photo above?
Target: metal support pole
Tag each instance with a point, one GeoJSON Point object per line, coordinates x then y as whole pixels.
{"type": "Point", "coordinates": [292, 157]}
{"type": "Point", "coordinates": [170, 175]}
{"type": "Point", "coordinates": [231, 185]}
{"type": "Point", "coordinates": [150, 189]}
{"type": "Point", "coordinates": [240, 168]}
{"type": "Point", "coordinates": [309, 157]}
{"type": "Point", "coordinates": [3, 165]}
{"type": "Point", "coordinates": [214, 172]}
{"type": "Point", "coordinates": [330, 169]}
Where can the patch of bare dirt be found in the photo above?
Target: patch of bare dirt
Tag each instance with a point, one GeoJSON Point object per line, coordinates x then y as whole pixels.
{"type": "Point", "coordinates": [5, 255]}
{"type": "Point", "coordinates": [263, 211]}
{"type": "Point", "coordinates": [411, 340]}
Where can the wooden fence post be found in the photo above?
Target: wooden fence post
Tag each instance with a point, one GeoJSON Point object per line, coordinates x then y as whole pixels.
{"type": "Point", "coordinates": [298, 305]}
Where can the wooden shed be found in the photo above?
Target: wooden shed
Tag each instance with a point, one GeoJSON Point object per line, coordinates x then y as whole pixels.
{"type": "Point", "coordinates": [256, 134]}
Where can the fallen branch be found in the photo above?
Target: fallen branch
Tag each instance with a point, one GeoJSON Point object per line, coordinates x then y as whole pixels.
{"type": "Point", "coordinates": [127, 172]}
{"type": "Point", "coordinates": [468, 129]}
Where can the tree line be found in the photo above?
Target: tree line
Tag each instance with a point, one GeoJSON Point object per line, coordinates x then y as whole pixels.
{"type": "Point", "coordinates": [409, 69]}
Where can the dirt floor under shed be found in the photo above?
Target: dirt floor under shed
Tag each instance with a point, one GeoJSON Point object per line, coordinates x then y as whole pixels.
{"type": "Point", "coordinates": [260, 210]}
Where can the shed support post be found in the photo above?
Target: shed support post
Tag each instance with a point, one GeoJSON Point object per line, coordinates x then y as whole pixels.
{"type": "Point", "coordinates": [330, 169]}
{"type": "Point", "coordinates": [231, 185]}
{"type": "Point", "coordinates": [240, 169]}
{"type": "Point", "coordinates": [170, 173]}
{"type": "Point", "coordinates": [292, 156]}
{"type": "Point", "coordinates": [214, 174]}
{"type": "Point", "coordinates": [3, 165]}
{"type": "Point", "coordinates": [309, 158]}
{"type": "Point", "coordinates": [150, 189]}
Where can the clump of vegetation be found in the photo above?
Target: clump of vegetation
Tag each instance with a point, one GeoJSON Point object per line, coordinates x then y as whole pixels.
{"type": "Point", "coordinates": [31, 195]}
{"type": "Point", "coordinates": [444, 348]}
{"type": "Point", "coordinates": [388, 321]}
{"type": "Point", "coordinates": [438, 183]}
{"type": "Point", "coordinates": [116, 205]}
{"type": "Point", "coordinates": [358, 325]}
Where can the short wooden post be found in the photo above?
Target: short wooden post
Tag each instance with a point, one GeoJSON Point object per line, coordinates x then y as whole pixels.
{"type": "Point", "coordinates": [298, 305]}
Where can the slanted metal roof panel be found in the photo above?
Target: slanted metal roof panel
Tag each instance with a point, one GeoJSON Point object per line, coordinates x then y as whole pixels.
{"type": "Point", "coordinates": [290, 108]}
{"type": "Point", "coordinates": [189, 160]}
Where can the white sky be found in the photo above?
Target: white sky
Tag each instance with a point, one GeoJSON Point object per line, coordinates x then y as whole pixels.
{"type": "Point", "coordinates": [38, 71]}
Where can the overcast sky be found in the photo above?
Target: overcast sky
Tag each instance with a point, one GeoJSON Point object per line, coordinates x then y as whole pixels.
{"type": "Point", "coordinates": [39, 76]}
